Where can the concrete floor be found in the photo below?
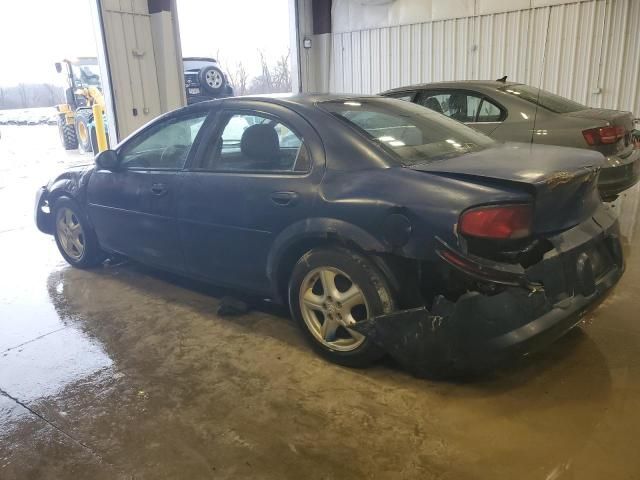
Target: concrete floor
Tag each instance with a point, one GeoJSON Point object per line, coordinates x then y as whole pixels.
{"type": "Point", "coordinates": [123, 372]}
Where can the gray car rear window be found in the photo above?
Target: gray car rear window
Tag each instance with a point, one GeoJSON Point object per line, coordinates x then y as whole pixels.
{"type": "Point", "coordinates": [545, 99]}
{"type": "Point", "coordinates": [411, 133]}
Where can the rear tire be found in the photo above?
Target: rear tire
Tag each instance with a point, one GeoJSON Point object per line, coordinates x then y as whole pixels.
{"type": "Point", "coordinates": [74, 236]}
{"type": "Point", "coordinates": [67, 133]}
{"type": "Point", "coordinates": [356, 290]}
{"type": "Point", "coordinates": [83, 130]}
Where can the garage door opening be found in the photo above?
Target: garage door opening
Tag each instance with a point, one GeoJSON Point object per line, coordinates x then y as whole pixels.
{"type": "Point", "coordinates": [242, 48]}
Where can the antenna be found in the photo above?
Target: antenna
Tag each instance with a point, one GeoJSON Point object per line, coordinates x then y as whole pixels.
{"type": "Point", "coordinates": [503, 79]}
{"type": "Point", "coordinates": [544, 59]}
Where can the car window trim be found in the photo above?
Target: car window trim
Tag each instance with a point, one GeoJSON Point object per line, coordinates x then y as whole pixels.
{"type": "Point", "coordinates": [217, 129]}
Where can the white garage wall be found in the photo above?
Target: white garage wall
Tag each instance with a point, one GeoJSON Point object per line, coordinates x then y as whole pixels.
{"type": "Point", "coordinates": [592, 51]}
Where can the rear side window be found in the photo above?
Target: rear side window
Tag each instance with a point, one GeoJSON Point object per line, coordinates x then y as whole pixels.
{"type": "Point", "coordinates": [489, 112]}
{"type": "Point", "coordinates": [460, 106]}
{"type": "Point", "coordinates": [256, 143]}
{"type": "Point", "coordinates": [545, 99]}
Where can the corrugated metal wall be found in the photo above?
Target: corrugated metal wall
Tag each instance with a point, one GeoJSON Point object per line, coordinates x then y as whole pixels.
{"type": "Point", "coordinates": [588, 51]}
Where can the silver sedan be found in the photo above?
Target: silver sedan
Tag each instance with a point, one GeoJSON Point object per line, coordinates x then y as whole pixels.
{"type": "Point", "coordinates": [517, 112]}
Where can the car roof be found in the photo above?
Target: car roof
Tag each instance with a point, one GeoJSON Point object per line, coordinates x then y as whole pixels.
{"type": "Point", "coordinates": [454, 84]}
{"type": "Point", "coordinates": [304, 98]}
{"type": "Point", "coordinates": [291, 99]}
{"type": "Point", "coordinates": [200, 59]}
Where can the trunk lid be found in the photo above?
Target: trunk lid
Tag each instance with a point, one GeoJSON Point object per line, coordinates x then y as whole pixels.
{"type": "Point", "coordinates": [603, 117]}
{"type": "Point", "coordinates": [562, 181]}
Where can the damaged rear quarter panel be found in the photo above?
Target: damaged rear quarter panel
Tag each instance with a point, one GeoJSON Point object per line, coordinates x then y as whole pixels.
{"type": "Point", "coordinates": [432, 204]}
{"type": "Point", "coordinates": [476, 330]}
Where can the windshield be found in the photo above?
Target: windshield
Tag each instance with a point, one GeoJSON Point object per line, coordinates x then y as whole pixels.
{"type": "Point", "coordinates": [86, 74]}
{"type": "Point", "coordinates": [545, 99]}
{"type": "Point", "coordinates": [412, 133]}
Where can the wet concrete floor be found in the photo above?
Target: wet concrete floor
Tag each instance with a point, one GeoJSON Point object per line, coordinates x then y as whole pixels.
{"type": "Point", "coordinates": [124, 372]}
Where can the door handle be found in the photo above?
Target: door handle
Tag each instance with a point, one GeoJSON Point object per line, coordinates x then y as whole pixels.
{"type": "Point", "coordinates": [284, 199]}
{"type": "Point", "coordinates": [158, 189]}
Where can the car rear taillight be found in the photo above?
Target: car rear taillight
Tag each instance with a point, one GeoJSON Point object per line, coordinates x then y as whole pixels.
{"type": "Point", "coordinates": [497, 221]}
{"type": "Point", "coordinates": [603, 135]}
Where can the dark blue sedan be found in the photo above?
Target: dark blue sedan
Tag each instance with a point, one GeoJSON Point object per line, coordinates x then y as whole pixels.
{"type": "Point", "coordinates": [385, 226]}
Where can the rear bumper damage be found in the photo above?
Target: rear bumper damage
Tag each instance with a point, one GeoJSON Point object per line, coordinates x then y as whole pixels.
{"type": "Point", "coordinates": [619, 175]}
{"type": "Point", "coordinates": [531, 310]}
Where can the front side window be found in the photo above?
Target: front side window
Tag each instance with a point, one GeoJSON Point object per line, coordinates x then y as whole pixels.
{"type": "Point", "coordinates": [252, 142]}
{"type": "Point", "coordinates": [411, 133]}
{"type": "Point", "coordinates": [164, 146]}
{"type": "Point", "coordinates": [545, 99]}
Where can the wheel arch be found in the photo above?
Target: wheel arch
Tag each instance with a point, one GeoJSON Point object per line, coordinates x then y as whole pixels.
{"type": "Point", "coordinates": [62, 188]}
{"type": "Point", "coordinates": [299, 238]}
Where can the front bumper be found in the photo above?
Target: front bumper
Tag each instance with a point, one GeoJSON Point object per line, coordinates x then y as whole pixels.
{"type": "Point", "coordinates": [619, 175]}
{"type": "Point", "coordinates": [477, 330]}
{"type": "Point", "coordinates": [42, 213]}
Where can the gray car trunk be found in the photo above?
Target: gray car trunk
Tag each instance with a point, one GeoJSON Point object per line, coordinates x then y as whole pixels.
{"type": "Point", "coordinates": [604, 117]}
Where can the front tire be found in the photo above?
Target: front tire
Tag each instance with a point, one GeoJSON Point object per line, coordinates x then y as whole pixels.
{"type": "Point", "coordinates": [83, 130]}
{"type": "Point", "coordinates": [67, 133]}
{"type": "Point", "coordinates": [331, 288]}
{"type": "Point", "coordinates": [74, 236]}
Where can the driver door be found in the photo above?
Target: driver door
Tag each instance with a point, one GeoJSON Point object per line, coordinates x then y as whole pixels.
{"type": "Point", "coordinates": [133, 208]}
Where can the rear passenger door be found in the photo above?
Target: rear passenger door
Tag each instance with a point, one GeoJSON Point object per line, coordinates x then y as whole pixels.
{"type": "Point", "coordinates": [255, 173]}
{"type": "Point", "coordinates": [470, 108]}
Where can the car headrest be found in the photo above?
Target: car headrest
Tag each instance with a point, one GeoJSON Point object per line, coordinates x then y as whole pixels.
{"type": "Point", "coordinates": [260, 142]}
{"type": "Point", "coordinates": [433, 104]}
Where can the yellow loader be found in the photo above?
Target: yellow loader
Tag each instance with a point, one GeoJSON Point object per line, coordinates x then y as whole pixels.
{"type": "Point", "coordinates": [84, 99]}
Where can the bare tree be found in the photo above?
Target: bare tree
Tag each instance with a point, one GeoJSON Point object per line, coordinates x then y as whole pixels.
{"type": "Point", "coordinates": [273, 78]}
{"type": "Point", "coordinates": [239, 79]}
{"type": "Point", "coordinates": [53, 94]}
{"type": "Point", "coordinates": [22, 91]}
{"type": "Point", "coordinates": [282, 74]}
{"type": "Point", "coordinates": [27, 95]}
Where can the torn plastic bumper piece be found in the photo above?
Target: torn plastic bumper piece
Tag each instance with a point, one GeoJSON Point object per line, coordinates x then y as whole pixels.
{"type": "Point", "coordinates": [478, 331]}
{"type": "Point", "coordinates": [485, 270]}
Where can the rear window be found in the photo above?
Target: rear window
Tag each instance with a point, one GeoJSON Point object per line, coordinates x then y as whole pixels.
{"type": "Point", "coordinates": [411, 133]}
{"type": "Point", "coordinates": [545, 99]}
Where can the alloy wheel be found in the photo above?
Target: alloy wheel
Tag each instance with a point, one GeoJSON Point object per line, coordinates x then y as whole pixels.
{"type": "Point", "coordinates": [70, 233]}
{"type": "Point", "coordinates": [330, 302]}
{"type": "Point", "coordinates": [214, 79]}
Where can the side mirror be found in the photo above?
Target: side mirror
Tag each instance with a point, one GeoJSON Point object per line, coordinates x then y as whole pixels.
{"type": "Point", "coordinates": [58, 67]}
{"type": "Point", "coordinates": [107, 160]}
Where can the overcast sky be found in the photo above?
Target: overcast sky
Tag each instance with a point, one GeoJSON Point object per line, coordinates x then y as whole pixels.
{"type": "Point", "coordinates": [34, 34]}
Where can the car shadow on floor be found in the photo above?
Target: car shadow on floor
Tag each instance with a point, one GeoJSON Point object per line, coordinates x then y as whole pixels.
{"type": "Point", "coordinates": [204, 299]}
